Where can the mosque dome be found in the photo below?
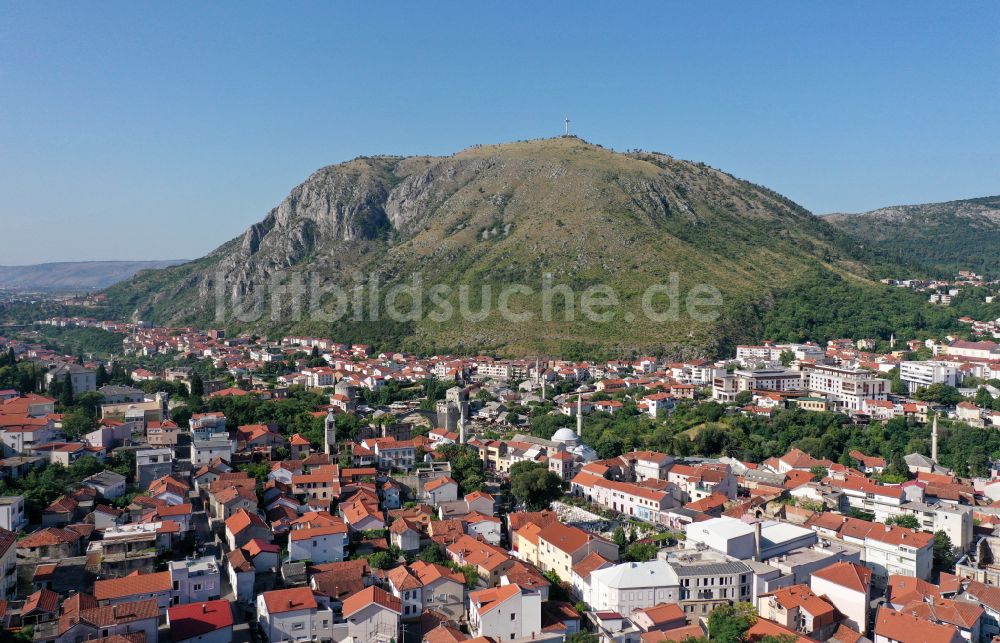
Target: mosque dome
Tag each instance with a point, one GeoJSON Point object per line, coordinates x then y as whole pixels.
{"type": "Point", "coordinates": [565, 435]}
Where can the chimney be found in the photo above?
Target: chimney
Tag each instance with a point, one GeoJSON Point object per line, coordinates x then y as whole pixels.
{"type": "Point", "coordinates": [204, 608]}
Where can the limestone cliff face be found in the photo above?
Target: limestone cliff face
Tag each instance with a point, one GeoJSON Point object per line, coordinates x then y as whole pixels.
{"type": "Point", "coordinates": [501, 214]}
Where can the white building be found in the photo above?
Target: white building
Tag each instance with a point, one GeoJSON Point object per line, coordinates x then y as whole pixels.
{"type": "Point", "coordinates": [631, 586]}
{"type": "Point", "coordinates": [954, 520]}
{"type": "Point", "coordinates": [8, 563]}
{"type": "Point", "coordinates": [196, 580]}
{"type": "Point", "coordinates": [82, 379]}
{"type": "Point", "coordinates": [319, 544]}
{"type": "Point", "coordinates": [372, 616]}
{"type": "Point", "coordinates": [726, 387]}
{"type": "Point", "coordinates": [915, 375]}
{"type": "Point", "coordinates": [847, 388]}
{"type": "Point", "coordinates": [204, 451]}
{"type": "Point", "coordinates": [12, 516]}
{"type": "Point", "coordinates": [728, 536]}
{"type": "Point", "coordinates": [295, 614]}
{"type": "Point", "coordinates": [625, 497]}
{"type": "Point", "coordinates": [506, 612]}
{"type": "Point", "coordinates": [898, 550]}
{"type": "Point", "coordinates": [848, 588]}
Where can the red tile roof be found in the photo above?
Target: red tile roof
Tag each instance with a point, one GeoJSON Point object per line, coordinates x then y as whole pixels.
{"type": "Point", "coordinates": [289, 600]}
{"type": "Point", "coordinates": [487, 599]}
{"type": "Point", "coordinates": [368, 596]}
{"type": "Point", "coordinates": [849, 575]}
{"type": "Point", "coordinates": [907, 628]}
{"type": "Point", "coordinates": [132, 585]}
{"type": "Point", "coordinates": [196, 619]}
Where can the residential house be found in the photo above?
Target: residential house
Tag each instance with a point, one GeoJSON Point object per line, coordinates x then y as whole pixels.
{"type": "Point", "coordinates": [847, 587]}
{"type": "Point", "coordinates": [505, 613]}
{"type": "Point", "coordinates": [205, 622]}
{"type": "Point", "coordinates": [372, 615]}
{"type": "Point", "coordinates": [322, 544]}
{"type": "Point", "coordinates": [562, 546]}
{"type": "Point", "coordinates": [295, 614]}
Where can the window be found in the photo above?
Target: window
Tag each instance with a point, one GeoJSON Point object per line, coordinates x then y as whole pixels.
{"type": "Point", "coordinates": [298, 626]}
{"type": "Point", "coordinates": [512, 616]}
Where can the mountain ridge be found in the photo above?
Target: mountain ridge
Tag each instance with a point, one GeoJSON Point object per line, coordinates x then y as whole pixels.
{"type": "Point", "coordinates": [946, 236]}
{"type": "Point", "coordinates": [510, 213]}
{"type": "Point", "coordinates": [75, 275]}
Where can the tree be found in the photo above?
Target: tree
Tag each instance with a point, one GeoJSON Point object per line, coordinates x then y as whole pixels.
{"type": "Point", "coordinates": [906, 520]}
{"type": "Point", "coordinates": [197, 385]}
{"type": "Point", "coordinates": [743, 398]}
{"type": "Point", "coordinates": [535, 486]}
{"type": "Point", "coordinates": [432, 554]}
{"type": "Point", "coordinates": [66, 392]}
{"type": "Point", "coordinates": [640, 552]}
{"type": "Point", "coordinates": [729, 623]}
{"type": "Point", "coordinates": [381, 560]}
{"type": "Point", "coordinates": [619, 537]}
{"type": "Point", "coordinates": [582, 637]}
{"type": "Point", "coordinates": [944, 552]}
{"type": "Point", "coordinates": [101, 375]}
{"type": "Point", "coordinates": [77, 422]}
{"type": "Point", "coordinates": [786, 357]}
{"type": "Point", "coordinates": [898, 468]}
{"type": "Point", "coordinates": [940, 393]}
{"type": "Point", "coordinates": [983, 398]}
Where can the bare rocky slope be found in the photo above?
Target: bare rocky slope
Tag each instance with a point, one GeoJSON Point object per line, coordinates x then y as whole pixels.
{"type": "Point", "coordinates": [506, 214]}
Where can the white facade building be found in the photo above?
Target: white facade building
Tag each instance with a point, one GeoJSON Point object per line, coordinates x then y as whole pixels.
{"type": "Point", "coordinates": [847, 388]}
{"type": "Point", "coordinates": [631, 586]}
{"type": "Point", "coordinates": [916, 375]}
{"type": "Point", "coordinates": [196, 580]}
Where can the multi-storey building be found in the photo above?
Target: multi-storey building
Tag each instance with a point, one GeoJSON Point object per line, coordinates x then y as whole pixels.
{"type": "Point", "coordinates": [916, 375]}
{"type": "Point", "coordinates": [847, 388]}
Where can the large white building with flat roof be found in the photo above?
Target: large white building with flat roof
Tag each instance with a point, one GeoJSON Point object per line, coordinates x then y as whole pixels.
{"type": "Point", "coordinates": [846, 388]}
{"type": "Point", "coordinates": [916, 375]}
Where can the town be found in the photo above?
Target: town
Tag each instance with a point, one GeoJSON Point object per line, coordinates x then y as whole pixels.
{"type": "Point", "coordinates": [301, 489]}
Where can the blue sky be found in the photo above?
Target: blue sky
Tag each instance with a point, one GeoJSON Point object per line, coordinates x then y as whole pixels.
{"type": "Point", "coordinates": [161, 130]}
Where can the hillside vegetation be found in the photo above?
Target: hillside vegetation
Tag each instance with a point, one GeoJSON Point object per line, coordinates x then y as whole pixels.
{"type": "Point", "coordinates": [945, 237]}
{"type": "Point", "coordinates": [503, 214]}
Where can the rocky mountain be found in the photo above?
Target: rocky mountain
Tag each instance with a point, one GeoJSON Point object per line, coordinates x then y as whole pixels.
{"type": "Point", "coordinates": [74, 276]}
{"type": "Point", "coordinates": [945, 237]}
{"type": "Point", "coordinates": [496, 215]}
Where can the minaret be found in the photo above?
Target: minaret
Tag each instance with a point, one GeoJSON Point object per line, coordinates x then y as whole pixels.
{"type": "Point", "coordinates": [330, 433]}
{"type": "Point", "coordinates": [934, 437]}
{"type": "Point", "coordinates": [892, 341]}
{"type": "Point", "coordinates": [461, 427]}
{"type": "Point", "coordinates": [579, 416]}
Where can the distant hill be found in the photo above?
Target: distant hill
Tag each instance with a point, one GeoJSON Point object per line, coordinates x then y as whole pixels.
{"type": "Point", "coordinates": [506, 214]}
{"type": "Point", "coordinates": [945, 237]}
{"type": "Point", "coordinates": [74, 276]}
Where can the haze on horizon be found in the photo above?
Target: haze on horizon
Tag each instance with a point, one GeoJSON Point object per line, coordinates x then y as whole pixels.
{"type": "Point", "coordinates": [161, 131]}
